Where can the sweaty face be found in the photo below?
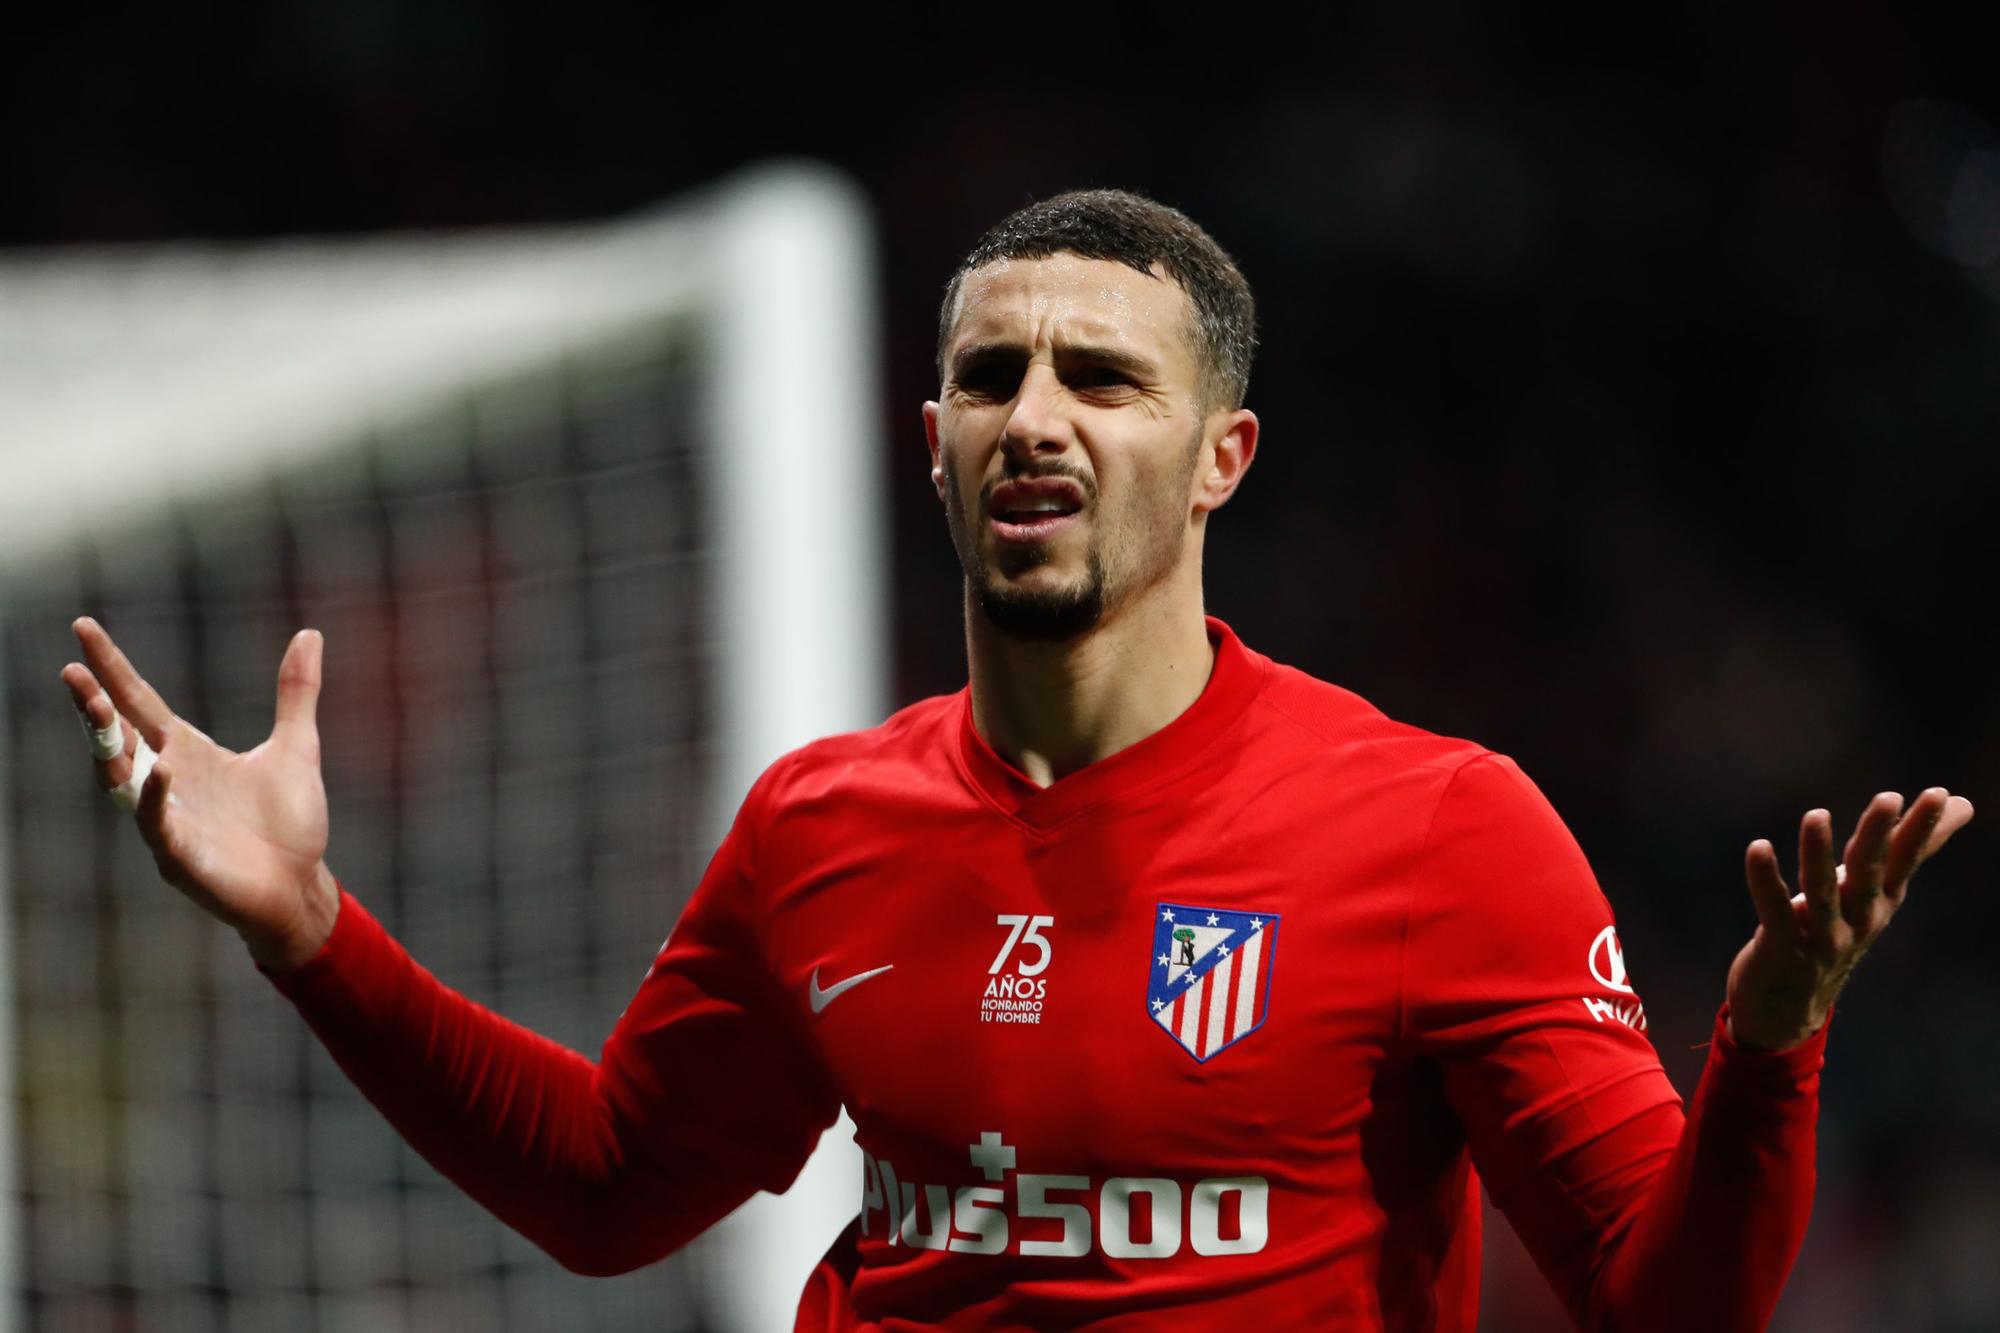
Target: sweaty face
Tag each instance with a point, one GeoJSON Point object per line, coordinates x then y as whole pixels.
{"type": "Point", "coordinates": [1065, 438]}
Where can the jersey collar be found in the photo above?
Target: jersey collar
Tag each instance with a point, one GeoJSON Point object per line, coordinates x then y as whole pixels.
{"type": "Point", "coordinates": [1236, 678]}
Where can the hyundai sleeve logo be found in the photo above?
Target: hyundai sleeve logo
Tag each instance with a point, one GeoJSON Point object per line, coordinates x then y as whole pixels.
{"type": "Point", "coordinates": [1607, 961]}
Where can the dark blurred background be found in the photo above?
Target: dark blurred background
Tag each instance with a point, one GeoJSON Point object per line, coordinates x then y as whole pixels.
{"type": "Point", "coordinates": [1628, 387]}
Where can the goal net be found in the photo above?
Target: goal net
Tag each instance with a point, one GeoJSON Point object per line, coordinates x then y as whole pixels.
{"type": "Point", "coordinates": [588, 518]}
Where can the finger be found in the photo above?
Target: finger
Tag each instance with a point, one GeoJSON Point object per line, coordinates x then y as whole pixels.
{"type": "Point", "coordinates": [1866, 857]}
{"type": "Point", "coordinates": [99, 719]}
{"type": "Point", "coordinates": [1957, 814]}
{"type": "Point", "coordinates": [129, 690]}
{"type": "Point", "coordinates": [1768, 891]}
{"type": "Point", "coordinates": [297, 727]}
{"type": "Point", "coordinates": [1817, 880]}
{"type": "Point", "coordinates": [94, 710]}
{"type": "Point", "coordinates": [128, 793]}
{"type": "Point", "coordinates": [1908, 839]}
{"type": "Point", "coordinates": [85, 693]}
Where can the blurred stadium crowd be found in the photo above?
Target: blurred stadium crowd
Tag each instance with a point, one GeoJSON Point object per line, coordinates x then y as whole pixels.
{"type": "Point", "coordinates": [1627, 387]}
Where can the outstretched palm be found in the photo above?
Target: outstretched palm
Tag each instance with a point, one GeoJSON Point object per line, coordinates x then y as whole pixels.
{"type": "Point", "coordinates": [1784, 981]}
{"type": "Point", "coordinates": [242, 834]}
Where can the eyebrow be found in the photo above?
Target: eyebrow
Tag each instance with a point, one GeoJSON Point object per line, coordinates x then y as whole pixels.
{"type": "Point", "coordinates": [1097, 354]}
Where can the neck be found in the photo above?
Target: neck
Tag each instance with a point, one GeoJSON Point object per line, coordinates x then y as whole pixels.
{"type": "Point", "coordinates": [1052, 708]}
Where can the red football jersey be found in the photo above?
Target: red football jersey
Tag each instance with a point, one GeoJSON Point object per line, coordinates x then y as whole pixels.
{"type": "Point", "coordinates": [1216, 1027]}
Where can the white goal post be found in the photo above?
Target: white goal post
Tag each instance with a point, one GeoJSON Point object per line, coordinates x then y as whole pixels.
{"type": "Point", "coordinates": [208, 444]}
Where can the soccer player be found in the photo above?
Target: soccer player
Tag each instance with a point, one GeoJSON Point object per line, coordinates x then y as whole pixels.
{"type": "Point", "coordinates": [1166, 984]}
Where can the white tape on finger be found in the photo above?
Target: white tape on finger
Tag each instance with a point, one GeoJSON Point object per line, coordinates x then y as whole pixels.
{"type": "Point", "coordinates": [143, 759]}
{"type": "Point", "coordinates": [106, 743]}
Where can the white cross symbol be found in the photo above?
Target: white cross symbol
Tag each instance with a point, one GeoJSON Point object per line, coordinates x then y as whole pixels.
{"type": "Point", "coordinates": [991, 1155]}
{"type": "Point", "coordinates": [1212, 919]}
{"type": "Point", "coordinates": [1167, 915]}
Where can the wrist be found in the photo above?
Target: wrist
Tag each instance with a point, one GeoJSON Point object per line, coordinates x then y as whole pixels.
{"type": "Point", "coordinates": [308, 932]}
{"type": "Point", "coordinates": [1751, 1032]}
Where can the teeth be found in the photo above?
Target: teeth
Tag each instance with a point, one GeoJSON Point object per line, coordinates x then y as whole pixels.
{"type": "Point", "coordinates": [1041, 504]}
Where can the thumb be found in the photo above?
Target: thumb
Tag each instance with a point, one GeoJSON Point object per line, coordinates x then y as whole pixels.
{"type": "Point", "coordinates": [297, 727]}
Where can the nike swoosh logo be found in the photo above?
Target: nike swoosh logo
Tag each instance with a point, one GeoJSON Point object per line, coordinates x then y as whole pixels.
{"type": "Point", "coordinates": [822, 998]}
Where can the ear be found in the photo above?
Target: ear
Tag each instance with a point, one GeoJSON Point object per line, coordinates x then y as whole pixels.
{"type": "Point", "coordinates": [1233, 444]}
{"type": "Point", "coordinates": [931, 436]}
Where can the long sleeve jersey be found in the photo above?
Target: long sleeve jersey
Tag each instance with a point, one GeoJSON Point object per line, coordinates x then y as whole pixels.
{"type": "Point", "coordinates": [1226, 1026]}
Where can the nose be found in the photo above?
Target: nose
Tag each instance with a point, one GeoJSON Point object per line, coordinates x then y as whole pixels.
{"type": "Point", "coordinates": [1040, 424]}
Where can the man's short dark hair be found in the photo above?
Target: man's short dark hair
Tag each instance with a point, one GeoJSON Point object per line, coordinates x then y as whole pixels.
{"type": "Point", "coordinates": [1139, 233]}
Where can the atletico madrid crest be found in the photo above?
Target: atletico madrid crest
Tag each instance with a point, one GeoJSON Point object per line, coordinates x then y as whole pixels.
{"type": "Point", "coordinates": [1210, 983]}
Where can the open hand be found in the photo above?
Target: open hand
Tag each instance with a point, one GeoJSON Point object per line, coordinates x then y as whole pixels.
{"type": "Point", "coordinates": [1782, 985]}
{"type": "Point", "coordinates": [244, 835]}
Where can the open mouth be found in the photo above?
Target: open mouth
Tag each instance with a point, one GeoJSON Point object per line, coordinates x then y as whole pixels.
{"type": "Point", "coordinates": [1030, 527]}
{"type": "Point", "coordinates": [1033, 510]}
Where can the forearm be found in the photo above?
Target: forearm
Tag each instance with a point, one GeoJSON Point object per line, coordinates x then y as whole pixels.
{"type": "Point", "coordinates": [518, 1121]}
{"type": "Point", "coordinates": [1713, 1240]}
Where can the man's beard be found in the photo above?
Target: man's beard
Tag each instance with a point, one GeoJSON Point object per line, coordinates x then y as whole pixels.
{"type": "Point", "coordinates": [1052, 614]}
{"type": "Point", "coordinates": [1033, 615]}
{"type": "Point", "coordinates": [1040, 615]}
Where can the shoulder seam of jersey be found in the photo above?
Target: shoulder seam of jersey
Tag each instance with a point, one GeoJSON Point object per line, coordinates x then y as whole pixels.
{"type": "Point", "coordinates": [1410, 899]}
{"type": "Point", "coordinates": [763, 793]}
{"type": "Point", "coordinates": [1454, 759]}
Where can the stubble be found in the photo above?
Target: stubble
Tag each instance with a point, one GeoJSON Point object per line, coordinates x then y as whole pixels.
{"type": "Point", "coordinates": [1127, 553]}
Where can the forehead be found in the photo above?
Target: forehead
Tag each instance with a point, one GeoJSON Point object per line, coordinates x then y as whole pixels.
{"type": "Point", "coordinates": [1067, 298]}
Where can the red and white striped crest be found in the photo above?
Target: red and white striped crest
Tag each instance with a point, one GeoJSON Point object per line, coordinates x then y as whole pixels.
{"type": "Point", "coordinates": [1210, 983]}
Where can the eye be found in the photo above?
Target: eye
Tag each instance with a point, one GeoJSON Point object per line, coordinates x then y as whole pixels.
{"type": "Point", "coordinates": [989, 379]}
{"type": "Point", "coordinates": [1099, 378]}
